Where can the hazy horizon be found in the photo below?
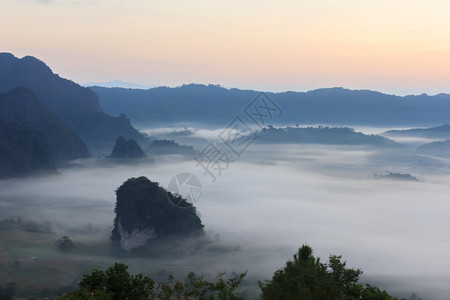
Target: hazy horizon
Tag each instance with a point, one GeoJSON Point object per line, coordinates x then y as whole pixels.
{"type": "Point", "coordinates": [384, 90]}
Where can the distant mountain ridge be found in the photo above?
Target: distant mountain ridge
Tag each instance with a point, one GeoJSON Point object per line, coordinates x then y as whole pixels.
{"type": "Point", "coordinates": [439, 149]}
{"type": "Point", "coordinates": [75, 105]}
{"type": "Point", "coordinates": [119, 84]}
{"type": "Point", "coordinates": [440, 132]}
{"type": "Point", "coordinates": [321, 135]}
{"type": "Point", "coordinates": [161, 147]}
{"type": "Point", "coordinates": [212, 104]}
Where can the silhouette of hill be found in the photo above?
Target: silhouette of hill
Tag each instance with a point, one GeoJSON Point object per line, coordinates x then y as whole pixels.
{"type": "Point", "coordinates": [21, 105]}
{"type": "Point", "coordinates": [119, 84]}
{"type": "Point", "coordinates": [440, 149]}
{"type": "Point", "coordinates": [439, 132]}
{"type": "Point", "coordinates": [216, 105]}
{"type": "Point", "coordinates": [126, 149]}
{"type": "Point", "coordinates": [23, 151]}
{"type": "Point", "coordinates": [321, 135]}
{"type": "Point", "coordinates": [396, 176]}
{"type": "Point", "coordinates": [75, 105]}
{"type": "Point", "coordinates": [169, 147]}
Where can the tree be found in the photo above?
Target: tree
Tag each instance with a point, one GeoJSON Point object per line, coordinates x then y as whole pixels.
{"type": "Point", "coordinates": [64, 244]}
{"type": "Point", "coordinates": [307, 278]}
{"type": "Point", "coordinates": [116, 283]}
{"type": "Point", "coordinates": [8, 291]}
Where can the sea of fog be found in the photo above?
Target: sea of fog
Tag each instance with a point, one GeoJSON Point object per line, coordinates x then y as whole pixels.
{"type": "Point", "coordinates": [268, 203]}
{"type": "Point", "coordinates": [199, 136]}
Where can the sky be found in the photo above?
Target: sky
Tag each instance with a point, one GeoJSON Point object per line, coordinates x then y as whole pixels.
{"type": "Point", "coordinates": [400, 47]}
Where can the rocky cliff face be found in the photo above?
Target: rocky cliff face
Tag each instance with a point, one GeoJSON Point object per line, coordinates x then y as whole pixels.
{"type": "Point", "coordinates": [75, 105]}
{"type": "Point", "coordinates": [127, 149]}
{"type": "Point", "coordinates": [23, 151]}
{"type": "Point", "coordinates": [22, 106]}
{"type": "Point", "coordinates": [137, 238]}
{"type": "Point", "coordinates": [145, 211]}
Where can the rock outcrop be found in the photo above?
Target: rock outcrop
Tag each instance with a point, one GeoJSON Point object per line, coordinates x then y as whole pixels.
{"type": "Point", "coordinates": [147, 212]}
{"type": "Point", "coordinates": [126, 149]}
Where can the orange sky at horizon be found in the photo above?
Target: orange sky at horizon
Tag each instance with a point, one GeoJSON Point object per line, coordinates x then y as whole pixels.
{"type": "Point", "coordinates": [393, 46]}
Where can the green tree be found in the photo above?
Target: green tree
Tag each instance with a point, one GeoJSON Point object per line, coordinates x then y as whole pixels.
{"type": "Point", "coordinates": [65, 244]}
{"type": "Point", "coordinates": [307, 278]}
{"type": "Point", "coordinates": [8, 291]}
{"type": "Point", "coordinates": [117, 283]}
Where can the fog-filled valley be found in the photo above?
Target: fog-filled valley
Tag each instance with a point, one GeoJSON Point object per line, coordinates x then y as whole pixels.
{"type": "Point", "coordinates": [271, 200]}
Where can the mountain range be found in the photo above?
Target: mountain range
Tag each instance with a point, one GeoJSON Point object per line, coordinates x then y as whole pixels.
{"type": "Point", "coordinates": [118, 83]}
{"type": "Point", "coordinates": [320, 135]}
{"type": "Point", "coordinates": [217, 106]}
{"type": "Point", "coordinates": [75, 105]}
{"type": "Point", "coordinates": [437, 132]}
{"type": "Point", "coordinates": [75, 121]}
